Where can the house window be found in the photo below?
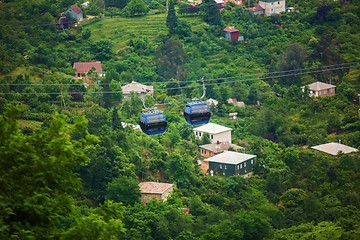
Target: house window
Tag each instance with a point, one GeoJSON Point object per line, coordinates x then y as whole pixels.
{"type": "Point", "coordinates": [212, 136]}
{"type": "Point", "coordinates": [202, 151]}
{"type": "Point", "coordinates": [240, 166]}
{"type": "Point", "coordinates": [328, 90]}
{"type": "Point", "coordinates": [220, 166]}
{"type": "Point", "coordinates": [278, 2]}
{"type": "Point", "coordinates": [225, 167]}
{"type": "Point", "coordinates": [223, 173]}
{"type": "Point", "coordinates": [244, 164]}
{"type": "Point", "coordinates": [205, 151]}
{"type": "Point", "coordinates": [196, 133]}
{"type": "Point", "coordinates": [252, 161]}
{"type": "Point", "coordinates": [200, 134]}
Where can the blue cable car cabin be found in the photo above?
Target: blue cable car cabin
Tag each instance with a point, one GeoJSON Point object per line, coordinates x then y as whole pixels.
{"type": "Point", "coordinates": [197, 113]}
{"type": "Point", "coordinates": [153, 123]}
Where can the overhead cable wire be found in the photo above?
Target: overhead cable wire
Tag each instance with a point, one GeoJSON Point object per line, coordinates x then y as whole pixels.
{"type": "Point", "coordinates": [326, 68]}
{"type": "Point", "coordinates": [191, 86]}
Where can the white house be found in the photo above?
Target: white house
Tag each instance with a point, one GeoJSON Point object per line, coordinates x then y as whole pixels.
{"type": "Point", "coordinates": [272, 6]}
{"type": "Point", "coordinates": [217, 132]}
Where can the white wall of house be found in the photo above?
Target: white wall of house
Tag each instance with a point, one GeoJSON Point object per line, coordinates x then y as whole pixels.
{"type": "Point", "coordinates": [218, 137]}
{"type": "Point", "coordinates": [272, 7]}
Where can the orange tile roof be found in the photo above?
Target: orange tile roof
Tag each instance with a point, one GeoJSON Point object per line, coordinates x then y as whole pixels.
{"type": "Point", "coordinates": [230, 29]}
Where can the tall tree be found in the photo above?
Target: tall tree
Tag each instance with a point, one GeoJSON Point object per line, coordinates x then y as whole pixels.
{"type": "Point", "coordinates": [170, 59]}
{"type": "Point", "coordinates": [293, 59]}
{"type": "Point", "coordinates": [210, 12]}
{"type": "Point", "coordinates": [36, 175]}
{"type": "Point", "coordinates": [171, 20]}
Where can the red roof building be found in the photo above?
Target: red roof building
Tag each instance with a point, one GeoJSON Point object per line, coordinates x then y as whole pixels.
{"type": "Point", "coordinates": [231, 33]}
{"type": "Point", "coordinates": [84, 67]}
{"type": "Point", "coordinates": [75, 12]}
{"type": "Point", "coordinates": [257, 10]}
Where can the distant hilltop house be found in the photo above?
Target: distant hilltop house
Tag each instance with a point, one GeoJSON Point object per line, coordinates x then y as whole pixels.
{"type": "Point", "coordinates": [212, 102]}
{"type": "Point", "coordinates": [217, 132]}
{"type": "Point", "coordinates": [334, 148]}
{"type": "Point", "coordinates": [231, 163]}
{"type": "Point", "coordinates": [272, 6]}
{"type": "Point", "coordinates": [209, 150]}
{"type": "Point", "coordinates": [320, 89]}
{"type": "Point", "coordinates": [234, 102]}
{"type": "Point", "coordinates": [220, 4]}
{"type": "Point", "coordinates": [257, 10]}
{"type": "Point", "coordinates": [236, 2]}
{"type": "Point", "coordinates": [232, 34]}
{"type": "Point", "coordinates": [136, 87]}
{"type": "Point", "coordinates": [75, 12]}
{"type": "Point", "coordinates": [85, 67]}
{"type": "Point", "coordinates": [157, 190]}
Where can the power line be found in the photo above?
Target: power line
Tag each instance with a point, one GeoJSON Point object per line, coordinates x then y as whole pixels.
{"type": "Point", "coordinates": [327, 68]}
{"type": "Point", "coordinates": [193, 86]}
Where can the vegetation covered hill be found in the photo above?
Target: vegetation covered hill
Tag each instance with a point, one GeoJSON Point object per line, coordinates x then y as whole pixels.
{"type": "Point", "coordinates": [72, 171]}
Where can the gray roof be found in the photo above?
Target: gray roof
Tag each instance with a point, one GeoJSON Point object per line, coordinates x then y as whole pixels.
{"type": "Point", "coordinates": [318, 86]}
{"type": "Point", "coordinates": [212, 128]}
{"type": "Point", "coordinates": [333, 148]}
{"type": "Point", "coordinates": [136, 87]}
{"type": "Point", "coordinates": [220, 147]}
{"type": "Point", "coordinates": [230, 157]}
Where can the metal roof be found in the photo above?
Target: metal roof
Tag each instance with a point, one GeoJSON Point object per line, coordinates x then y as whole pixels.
{"type": "Point", "coordinates": [230, 157]}
{"type": "Point", "coordinates": [154, 187]}
{"type": "Point", "coordinates": [136, 87]}
{"type": "Point", "coordinates": [334, 148]}
{"type": "Point", "coordinates": [212, 128]}
{"type": "Point", "coordinates": [318, 86]}
{"type": "Point", "coordinates": [220, 147]}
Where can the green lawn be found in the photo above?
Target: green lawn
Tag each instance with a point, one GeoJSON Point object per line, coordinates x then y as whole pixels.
{"type": "Point", "coordinates": [121, 30]}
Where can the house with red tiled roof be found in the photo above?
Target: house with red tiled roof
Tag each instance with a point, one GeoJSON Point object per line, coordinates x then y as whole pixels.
{"type": "Point", "coordinates": [232, 34]}
{"type": "Point", "coordinates": [85, 67]}
{"type": "Point", "coordinates": [75, 12]}
{"type": "Point", "coordinates": [157, 190]}
{"type": "Point", "coordinates": [257, 10]}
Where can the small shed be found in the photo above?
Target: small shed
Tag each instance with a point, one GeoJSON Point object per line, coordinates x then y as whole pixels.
{"type": "Point", "coordinates": [233, 116]}
{"type": "Point", "coordinates": [75, 12]}
{"type": "Point", "coordinates": [220, 4]}
{"type": "Point", "coordinates": [231, 33]}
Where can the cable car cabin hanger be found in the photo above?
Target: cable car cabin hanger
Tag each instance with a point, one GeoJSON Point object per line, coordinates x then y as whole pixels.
{"type": "Point", "coordinates": [153, 121]}
{"type": "Point", "coordinates": [197, 112]}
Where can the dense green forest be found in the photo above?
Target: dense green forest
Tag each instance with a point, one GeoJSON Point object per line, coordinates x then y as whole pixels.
{"type": "Point", "coordinates": [70, 170]}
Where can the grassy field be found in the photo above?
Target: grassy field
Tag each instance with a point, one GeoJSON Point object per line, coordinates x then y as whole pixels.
{"type": "Point", "coordinates": [121, 29]}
